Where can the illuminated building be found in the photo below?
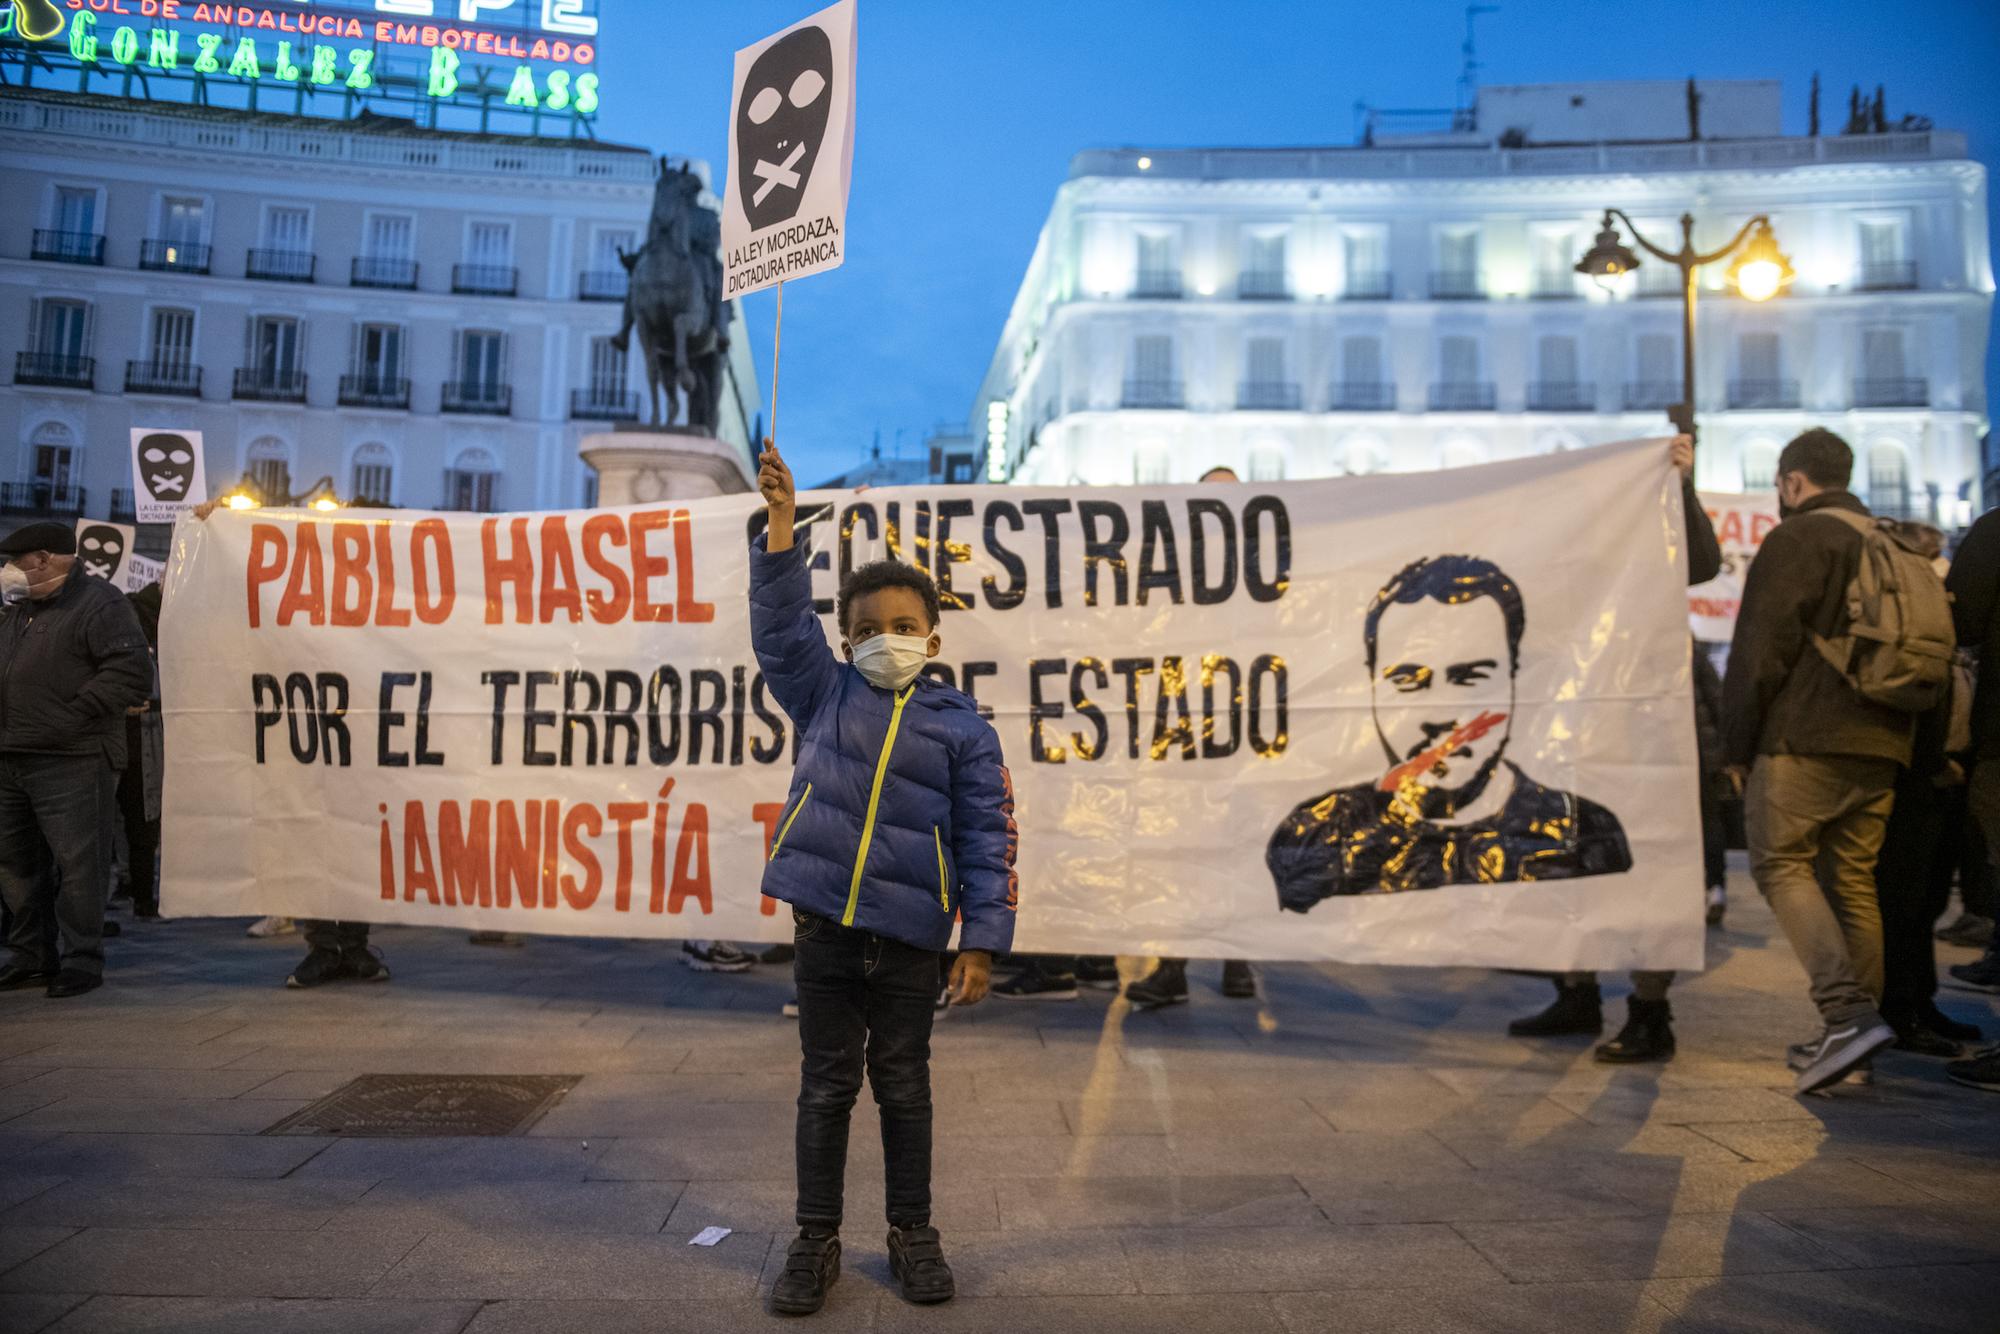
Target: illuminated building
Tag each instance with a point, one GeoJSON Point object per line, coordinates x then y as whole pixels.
{"type": "Point", "coordinates": [1412, 304]}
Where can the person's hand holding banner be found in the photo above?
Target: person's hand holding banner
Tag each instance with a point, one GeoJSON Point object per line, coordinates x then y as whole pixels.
{"type": "Point", "coordinates": [774, 483]}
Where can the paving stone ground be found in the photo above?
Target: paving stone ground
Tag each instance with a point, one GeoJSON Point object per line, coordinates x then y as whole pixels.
{"type": "Point", "coordinates": [1361, 1149]}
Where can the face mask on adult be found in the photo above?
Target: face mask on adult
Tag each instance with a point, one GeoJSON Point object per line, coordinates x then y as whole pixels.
{"type": "Point", "coordinates": [44, 573]}
{"type": "Point", "coordinates": [13, 584]}
{"type": "Point", "coordinates": [891, 661]}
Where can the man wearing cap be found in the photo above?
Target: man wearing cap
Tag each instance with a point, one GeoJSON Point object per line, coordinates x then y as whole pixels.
{"type": "Point", "coordinates": [72, 660]}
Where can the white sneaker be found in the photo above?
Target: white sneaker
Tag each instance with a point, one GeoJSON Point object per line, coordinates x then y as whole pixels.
{"type": "Point", "coordinates": [266, 927]}
{"type": "Point", "coordinates": [714, 956]}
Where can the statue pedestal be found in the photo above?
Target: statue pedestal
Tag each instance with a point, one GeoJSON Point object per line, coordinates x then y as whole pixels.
{"type": "Point", "coordinates": [642, 465]}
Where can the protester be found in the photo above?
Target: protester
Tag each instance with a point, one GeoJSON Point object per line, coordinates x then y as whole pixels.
{"type": "Point", "coordinates": [73, 659]}
{"type": "Point", "coordinates": [1714, 783]}
{"type": "Point", "coordinates": [872, 898]}
{"type": "Point", "coordinates": [1974, 583]}
{"type": "Point", "coordinates": [1578, 1008]}
{"type": "Point", "coordinates": [1816, 759]}
{"type": "Point", "coordinates": [139, 781]}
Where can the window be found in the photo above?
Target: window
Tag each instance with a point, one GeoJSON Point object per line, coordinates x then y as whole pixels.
{"type": "Point", "coordinates": [1264, 361]}
{"type": "Point", "coordinates": [378, 354]}
{"type": "Point", "coordinates": [1760, 466]}
{"type": "Point", "coordinates": [1657, 355]}
{"type": "Point", "coordinates": [609, 242]}
{"type": "Point", "coordinates": [390, 236]}
{"type": "Point", "coordinates": [468, 483]}
{"type": "Point", "coordinates": [490, 243]}
{"type": "Point", "coordinates": [269, 463]}
{"type": "Point", "coordinates": [182, 222]}
{"type": "Point", "coordinates": [1458, 254]}
{"type": "Point", "coordinates": [1555, 254]}
{"type": "Point", "coordinates": [55, 455]}
{"type": "Point", "coordinates": [62, 329]}
{"type": "Point", "coordinates": [1365, 257]}
{"type": "Point", "coordinates": [481, 354]}
{"type": "Point", "coordinates": [1882, 354]}
{"type": "Point", "coordinates": [1361, 361]}
{"type": "Point", "coordinates": [173, 344]}
{"type": "Point", "coordinates": [607, 372]}
{"type": "Point", "coordinates": [1151, 381]}
{"type": "Point", "coordinates": [1159, 265]}
{"type": "Point", "coordinates": [287, 230]}
{"type": "Point", "coordinates": [1556, 354]}
{"type": "Point", "coordinates": [1149, 466]}
{"type": "Point", "coordinates": [274, 349]}
{"type": "Point", "coordinates": [1458, 359]}
{"type": "Point", "coordinates": [374, 475]}
{"type": "Point", "coordinates": [1263, 265]}
{"type": "Point", "coordinates": [1889, 481]}
{"type": "Point", "coordinates": [1885, 256]}
{"type": "Point", "coordinates": [75, 211]}
{"type": "Point", "coordinates": [1267, 464]}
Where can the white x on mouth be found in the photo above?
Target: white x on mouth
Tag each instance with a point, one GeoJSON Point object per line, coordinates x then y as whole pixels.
{"type": "Point", "coordinates": [775, 176]}
{"type": "Point", "coordinates": [165, 482]}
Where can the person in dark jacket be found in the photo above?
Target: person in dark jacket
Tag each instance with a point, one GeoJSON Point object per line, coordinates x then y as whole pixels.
{"type": "Point", "coordinates": [1817, 762]}
{"type": "Point", "coordinates": [1974, 585]}
{"type": "Point", "coordinates": [139, 780]}
{"type": "Point", "coordinates": [900, 818]}
{"type": "Point", "coordinates": [73, 660]}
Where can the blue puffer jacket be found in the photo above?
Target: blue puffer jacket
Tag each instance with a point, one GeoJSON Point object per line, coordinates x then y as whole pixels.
{"type": "Point", "coordinates": [901, 812]}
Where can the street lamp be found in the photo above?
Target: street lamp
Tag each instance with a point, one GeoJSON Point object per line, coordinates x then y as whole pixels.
{"type": "Point", "coordinates": [1759, 272]}
{"type": "Point", "coordinates": [248, 495]}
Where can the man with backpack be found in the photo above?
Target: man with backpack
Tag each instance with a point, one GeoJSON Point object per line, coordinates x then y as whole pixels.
{"type": "Point", "coordinates": [1844, 636]}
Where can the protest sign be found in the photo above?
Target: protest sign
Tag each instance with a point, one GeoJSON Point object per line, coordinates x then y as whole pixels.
{"type": "Point", "coordinates": [105, 549]}
{"type": "Point", "coordinates": [1741, 522]}
{"type": "Point", "coordinates": [167, 476]}
{"type": "Point", "coordinates": [791, 153]}
{"type": "Point", "coordinates": [1373, 719]}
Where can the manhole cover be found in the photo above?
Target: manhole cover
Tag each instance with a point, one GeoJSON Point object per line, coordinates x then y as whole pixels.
{"type": "Point", "coordinates": [430, 1105]}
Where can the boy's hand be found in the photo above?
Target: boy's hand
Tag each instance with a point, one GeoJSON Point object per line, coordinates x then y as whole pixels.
{"type": "Point", "coordinates": [970, 977]}
{"type": "Point", "coordinates": [1681, 452]}
{"type": "Point", "coordinates": [774, 483]}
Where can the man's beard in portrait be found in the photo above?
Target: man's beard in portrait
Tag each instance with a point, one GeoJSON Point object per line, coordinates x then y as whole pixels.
{"type": "Point", "coordinates": [1438, 802]}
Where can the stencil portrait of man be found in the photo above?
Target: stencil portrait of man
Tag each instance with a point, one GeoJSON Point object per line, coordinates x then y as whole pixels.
{"type": "Point", "coordinates": [1443, 651]}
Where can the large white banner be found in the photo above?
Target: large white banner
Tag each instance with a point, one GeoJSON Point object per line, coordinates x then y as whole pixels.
{"type": "Point", "coordinates": [791, 153]}
{"type": "Point", "coordinates": [1741, 523]}
{"type": "Point", "coordinates": [1437, 718]}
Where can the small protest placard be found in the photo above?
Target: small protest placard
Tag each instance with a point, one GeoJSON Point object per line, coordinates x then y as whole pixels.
{"type": "Point", "coordinates": [167, 478]}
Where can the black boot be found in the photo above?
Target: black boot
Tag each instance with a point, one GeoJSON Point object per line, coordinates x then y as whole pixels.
{"type": "Point", "coordinates": [812, 1265]}
{"type": "Point", "coordinates": [1648, 1035]}
{"type": "Point", "coordinates": [1165, 985]}
{"type": "Point", "coordinates": [1578, 1009]}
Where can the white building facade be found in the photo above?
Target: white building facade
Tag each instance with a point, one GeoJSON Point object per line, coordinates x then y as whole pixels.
{"type": "Point", "coordinates": [422, 316]}
{"type": "Point", "coordinates": [1311, 313]}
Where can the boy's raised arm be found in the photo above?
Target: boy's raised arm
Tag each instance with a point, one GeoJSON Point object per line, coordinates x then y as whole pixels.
{"type": "Point", "coordinates": [983, 844]}
{"type": "Point", "coordinates": [785, 632]}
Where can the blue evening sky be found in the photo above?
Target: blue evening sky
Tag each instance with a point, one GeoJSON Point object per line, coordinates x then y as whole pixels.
{"type": "Point", "coordinates": [968, 115]}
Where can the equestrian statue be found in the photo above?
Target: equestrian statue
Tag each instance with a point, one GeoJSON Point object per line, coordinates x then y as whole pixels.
{"type": "Point", "coordinates": [674, 299]}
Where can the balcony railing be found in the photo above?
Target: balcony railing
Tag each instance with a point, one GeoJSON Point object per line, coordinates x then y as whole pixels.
{"type": "Point", "coordinates": [1457, 285]}
{"type": "Point", "coordinates": [1157, 283]}
{"type": "Point", "coordinates": [67, 247]}
{"type": "Point", "coordinates": [1651, 395]}
{"type": "Point", "coordinates": [602, 285]}
{"type": "Point", "coordinates": [1259, 285]}
{"type": "Point", "coordinates": [1152, 394]}
{"type": "Point", "coordinates": [123, 508]}
{"type": "Point", "coordinates": [603, 405]}
{"type": "Point", "coordinates": [1462, 396]}
{"type": "Point", "coordinates": [1360, 396]}
{"type": "Point", "coordinates": [1892, 275]}
{"type": "Point", "coordinates": [485, 279]}
{"type": "Point", "coordinates": [58, 370]}
{"type": "Point", "coordinates": [1900, 392]}
{"type": "Point", "coordinates": [1559, 285]}
{"type": "Point", "coordinates": [1368, 287]}
{"type": "Point", "coordinates": [1763, 393]}
{"type": "Point", "coordinates": [281, 266]}
{"type": "Point", "coordinates": [173, 256]}
{"type": "Point", "coordinates": [477, 396]}
{"type": "Point", "coordinates": [260, 384]}
{"type": "Point", "coordinates": [1561, 396]}
{"type": "Point", "coordinates": [374, 391]}
{"type": "Point", "coordinates": [162, 377]}
{"type": "Point", "coordinates": [1267, 396]}
{"type": "Point", "coordinates": [383, 271]}
{"type": "Point", "coordinates": [41, 497]}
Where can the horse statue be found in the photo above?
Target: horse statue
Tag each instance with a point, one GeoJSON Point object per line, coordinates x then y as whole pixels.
{"type": "Point", "coordinates": [674, 299]}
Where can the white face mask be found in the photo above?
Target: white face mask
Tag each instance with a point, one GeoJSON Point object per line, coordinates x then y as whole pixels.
{"type": "Point", "coordinates": [892, 661]}
{"type": "Point", "coordinates": [13, 584]}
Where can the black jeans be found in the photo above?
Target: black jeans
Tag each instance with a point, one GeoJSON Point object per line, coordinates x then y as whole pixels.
{"type": "Point", "coordinates": [56, 806]}
{"type": "Point", "coordinates": [142, 836]}
{"type": "Point", "coordinates": [863, 999]}
{"type": "Point", "coordinates": [1921, 841]}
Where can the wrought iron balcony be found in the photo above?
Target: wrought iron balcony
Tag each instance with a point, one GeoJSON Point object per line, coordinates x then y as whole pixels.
{"type": "Point", "coordinates": [41, 497]}
{"type": "Point", "coordinates": [1900, 392]}
{"type": "Point", "coordinates": [281, 266]}
{"type": "Point", "coordinates": [1368, 286]}
{"type": "Point", "coordinates": [58, 370]}
{"type": "Point", "coordinates": [1363, 396]}
{"type": "Point", "coordinates": [383, 271]}
{"type": "Point", "coordinates": [603, 405]}
{"type": "Point", "coordinates": [173, 256]}
{"type": "Point", "coordinates": [1457, 285]}
{"type": "Point", "coordinates": [162, 377]}
{"type": "Point", "coordinates": [1561, 396]}
{"type": "Point", "coordinates": [1763, 393]}
{"type": "Point", "coordinates": [260, 384]}
{"type": "Point", "coordinates": [1557, 285]}
{"type": "Point", "coordinates": [602, 285]}
{"type": "Point", "coordinates": [477, 396]}
{"type": "Point", "coordinates": [485, 279]}
{"type": "Point", "coordinates": [67, 247]}
{"type": "Point", "coordinates": [374, 391]}
{"type": "Point", "coordinates": [1890, 275]}
{"type": "Point", "coordinates": [1267, 396]}
{"type": "Point", "coordinates": [1651, 395]}
{"type": "Point", "coordinates": [1152, 394]}
{"type": "Point", "coordinates": [1157, 283]}
{"type": "Point", "coordinates": [1462, 396]}
{"type": "Point", "coordinates": [1264, 285]}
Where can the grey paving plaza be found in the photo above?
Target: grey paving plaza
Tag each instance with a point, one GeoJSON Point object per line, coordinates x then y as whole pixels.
{"type": "Point", "coordinates": [1360, 1150]}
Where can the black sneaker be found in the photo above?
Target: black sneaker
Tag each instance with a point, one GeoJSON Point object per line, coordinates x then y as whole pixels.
{"type": "Point", "coordinates": [1576, 1011]}
{"type": "Point", "coordinates": [19, 977]}
{"type": "Point", "coordinates": [1922, 1041]}
{"type": "Point", "coordinates": [1718, 904]}
{"type": "Point", "coordinates": [1981, 1072]}
{"type": "Point", "coordinates": [73, 982]}
{"type": "Point", "coordinates": [1970, 930]}
{"type": "Point", "coordinates": [1979, 975]}
{"type": "Point", "coordinates": [812, 1265]}
{"type": "Point", "coordinates": [318, 968]}
{"type": "Point", "coordinates": [714, 956]}
{"type": "Point", "coordinates": [365, 965]}
{"type": "Point", "coordinates": [1034, 984]}
{"type": "Point", "coordinates": [1648, 1035]}
{"type": "Point", "coordinates": [917, 1260]}
{"type": "Point", "coordinates": [1937, 1021]}
{"type": "Point", "coordinates": [1238, 982]}
{"type": "Point", "coordinates": [1841, 1049]}
{"type": "Point", "coordinates": [1165, 985]}
{"type": "Point", "coordinates": [1099, 972]}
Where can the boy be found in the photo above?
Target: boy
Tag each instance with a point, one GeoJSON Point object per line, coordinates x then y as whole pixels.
{"type": "Point", "coordinates": [900, 815]}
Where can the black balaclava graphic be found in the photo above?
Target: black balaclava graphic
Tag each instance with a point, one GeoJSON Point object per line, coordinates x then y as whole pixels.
{"type": "Point", "coordinates": [780, 124]}
{"type": "Point", "coordinates": [101, 548]}
{"type": "Point", "coordinates": [166, 466]}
